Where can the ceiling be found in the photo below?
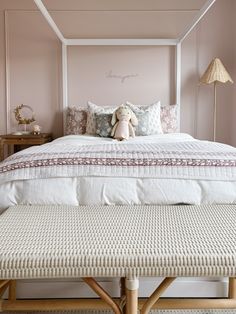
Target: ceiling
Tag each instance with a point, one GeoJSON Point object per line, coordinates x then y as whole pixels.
{"type": "Point", "coordinates": [116, 18]}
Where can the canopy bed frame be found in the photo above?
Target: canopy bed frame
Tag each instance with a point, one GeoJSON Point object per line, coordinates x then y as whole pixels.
{"type": "Point", "coordinates": [123, 42]}
{"type": "Point", "coordinates": [128, 302]}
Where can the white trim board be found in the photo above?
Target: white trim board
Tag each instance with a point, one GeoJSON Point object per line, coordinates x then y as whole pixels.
{"type": "Point", "coordinates": [178, 80]}
{"type": "Point", "coordinates": [7, 74]}
{"type": "Point", "coordinates": [64, 83]}
{"type": "Point", "coordinates": [121, 42]}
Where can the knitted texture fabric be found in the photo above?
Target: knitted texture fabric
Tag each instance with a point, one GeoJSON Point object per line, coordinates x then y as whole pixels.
{"type": "Point", "coordinates": [117, 241]}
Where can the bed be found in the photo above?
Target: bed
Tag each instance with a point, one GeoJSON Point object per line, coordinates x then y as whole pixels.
{"type": "Point", "coordinates": [77, 170]}
{"type": "Point", "coordinates": [160, 169]}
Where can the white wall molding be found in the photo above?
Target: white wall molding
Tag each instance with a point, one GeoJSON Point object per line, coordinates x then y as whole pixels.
{"type": "Point", "coordinates": [196, 98]}
{"type": "Point", "coordinates": [64, 83]}
{"type": "Point", "coordinates": [178, 79]}
{"type": "Point", "coordinates": [7, 75]}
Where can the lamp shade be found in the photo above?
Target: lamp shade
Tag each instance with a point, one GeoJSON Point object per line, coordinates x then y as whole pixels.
{"type": "Point", "coordinates": [216, 72]}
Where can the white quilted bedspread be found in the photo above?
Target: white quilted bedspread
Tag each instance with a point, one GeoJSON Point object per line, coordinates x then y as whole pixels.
{"type": "Point", "coordinates": [175, 156]}
{"type": "Point", "coordinates": [104, 241]}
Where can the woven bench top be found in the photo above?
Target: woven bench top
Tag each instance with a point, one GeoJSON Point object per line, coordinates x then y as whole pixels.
{"type": "Point", "coordinates": [115, 241]}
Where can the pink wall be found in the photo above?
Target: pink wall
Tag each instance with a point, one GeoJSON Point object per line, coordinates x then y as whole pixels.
{"type": "Point", "coordinates": [2, 76]}
{"type": "Point", "coordinates": [212, 38]}
{"type": "Point", "coordinates": [35, 66]}
{"type": "Point", "coordinates": [233, 115]}
{"type": "Point", "coordinates": [93, 74]}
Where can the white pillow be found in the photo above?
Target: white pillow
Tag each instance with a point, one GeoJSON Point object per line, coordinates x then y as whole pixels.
{"type": "Point", "coordinates": [149, 118]}
{"type": "Point", "coordinates": [91, 118]}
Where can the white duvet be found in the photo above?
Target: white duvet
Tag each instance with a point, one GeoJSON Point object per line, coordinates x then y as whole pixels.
{"type": "Point", "coordinates": [160, 169]}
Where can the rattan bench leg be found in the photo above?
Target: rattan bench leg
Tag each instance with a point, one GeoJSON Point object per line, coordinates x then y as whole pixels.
{"type": "Point", "coordinates": [191, 304]}
{"type": "Point", "coordinates": [131, 288]}
{"type": "Point", "coordinates": [122, 287]}
{"type": "Point", "coordinates": [12, 290]}
{"type": "Point", "coordinates": [3, 287]}
{"type": "Point", "coordinates": [232, 288]}
{"type": "Point", "coordinates": [3, 283]}
{"type": "Point", "coordinates": [156, 295]}
{"type": "Point", "coordinates": [122, 294]}
{"type": "Point", "coordinates": [103, 294]}
{"type": "Point", "coordinates": [60, 305]}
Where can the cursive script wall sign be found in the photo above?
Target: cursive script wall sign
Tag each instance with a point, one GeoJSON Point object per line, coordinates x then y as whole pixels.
{"type": "Point", "coordinates": [122, 78]}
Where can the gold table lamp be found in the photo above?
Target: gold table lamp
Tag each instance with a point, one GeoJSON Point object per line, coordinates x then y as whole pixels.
{"type": "Point", "coordinates": [215, 73]}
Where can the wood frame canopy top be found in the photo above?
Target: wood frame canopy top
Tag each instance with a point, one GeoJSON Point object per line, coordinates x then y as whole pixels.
{"type": "Point", "coordinates": [113, 250]}
{"type": "Point", "coordinates": [123, 42]}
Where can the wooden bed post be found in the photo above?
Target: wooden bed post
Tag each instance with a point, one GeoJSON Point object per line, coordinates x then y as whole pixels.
{"type": "Point", "coordinates": [131, 288]}
{"type": "Point", "coordinates": [232, 288]}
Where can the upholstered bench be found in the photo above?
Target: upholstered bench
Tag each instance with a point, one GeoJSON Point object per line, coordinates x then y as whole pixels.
{"type": "Point", "coordinates": [129, 242]}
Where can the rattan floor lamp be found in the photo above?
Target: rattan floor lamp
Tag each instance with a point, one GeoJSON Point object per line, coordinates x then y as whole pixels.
{"type": "Point", "coordinates": [215, 73]}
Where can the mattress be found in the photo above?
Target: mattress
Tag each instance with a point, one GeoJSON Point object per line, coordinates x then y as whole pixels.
{"type": "Point", "coordinates": [86, 170]}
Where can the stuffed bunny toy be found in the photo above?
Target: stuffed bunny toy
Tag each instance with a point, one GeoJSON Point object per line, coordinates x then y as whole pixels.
{"type": "Point", "coordinates": [123, 128]}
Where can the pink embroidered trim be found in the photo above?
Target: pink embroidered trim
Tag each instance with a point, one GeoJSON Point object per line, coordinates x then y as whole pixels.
{"type": "Point", "coordinates": [122, 162]}
{"type": "Point", "coordinates": [186, 153]}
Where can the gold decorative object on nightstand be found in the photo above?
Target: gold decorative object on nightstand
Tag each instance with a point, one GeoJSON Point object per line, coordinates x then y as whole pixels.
{"type": "Point", "coordinates": [19, 142]}
{"type": "Point", "coordinates": [24, 119]}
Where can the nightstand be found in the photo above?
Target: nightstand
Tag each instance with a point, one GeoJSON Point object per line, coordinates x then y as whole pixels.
{"type": "Point", "coordinates": [19, 142]}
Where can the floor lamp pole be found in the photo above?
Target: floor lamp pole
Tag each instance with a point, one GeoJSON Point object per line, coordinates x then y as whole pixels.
{"type": "Point", "coordinates": [214, 111]}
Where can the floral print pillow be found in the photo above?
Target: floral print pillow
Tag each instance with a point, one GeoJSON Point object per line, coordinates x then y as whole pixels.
{"type": "Point", "coordinates": [169, 119]}
{"type": "Point", "coordinates": [103, 124]}
{"type": "Point", "coordinates": [92, 110]}
{"type": "Point", "coordinates": [148, 119]}
{"type": "Point", "coordinates": [76, 119]}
